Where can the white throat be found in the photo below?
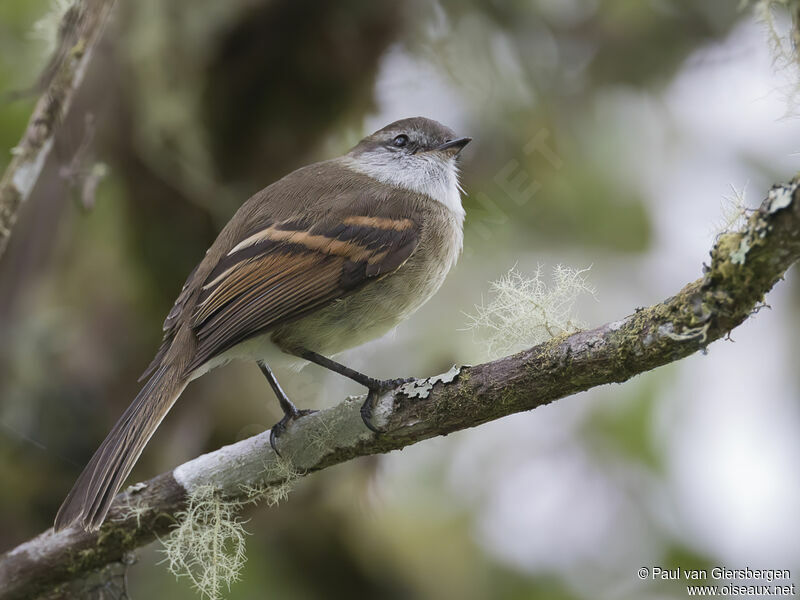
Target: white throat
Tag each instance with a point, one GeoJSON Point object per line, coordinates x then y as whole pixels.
{"type": "Point", "coordinates": [424, 173]}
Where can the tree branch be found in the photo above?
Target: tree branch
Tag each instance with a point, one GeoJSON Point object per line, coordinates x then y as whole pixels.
{"type": "Point", "coordinates": [79, 30]}
{"type": "Point", "coordinates": [744, 266]}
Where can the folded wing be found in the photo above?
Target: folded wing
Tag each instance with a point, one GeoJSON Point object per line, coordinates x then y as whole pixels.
{"type": "Point", "coordinates": [280, 271]}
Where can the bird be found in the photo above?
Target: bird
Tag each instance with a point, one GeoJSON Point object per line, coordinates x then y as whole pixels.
{"type": "Point", "coordinates": [332, 255]}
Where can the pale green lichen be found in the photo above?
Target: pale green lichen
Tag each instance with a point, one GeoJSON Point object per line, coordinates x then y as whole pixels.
{"type": "Point", "coordinates": [136, 487]}
{"type": "Point", "coordinates": [207, 545]}
{"type": "Point", "coordinates": [321, 437]}
{"type": "Point", "coordinates": [47, 28]}
{"type": "Point", "coordinates": [133, 509]}
{"type": "Point", "coordinates": [526, 311]}
{"type": "Point", "coordinates": [695, 333]}
{"type": "Point", "coordinates": [784, 41]}
{"type": "Point", "coordinates": [733, 209]}
{"type": "Point", "coordinates": [421, 388]}
{"type": "Point", "coordinates": [780, 197]}
{"type": "Point", "coordinates": [739, 255]}
{"type": "Point", "coordinates": [280, 471]}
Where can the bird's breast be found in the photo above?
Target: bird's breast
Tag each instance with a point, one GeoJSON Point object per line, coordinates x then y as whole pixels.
{"type": "Point", "coordinates": [381, 304]}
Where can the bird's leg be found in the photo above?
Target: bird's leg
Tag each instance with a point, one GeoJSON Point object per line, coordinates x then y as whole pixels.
{"type": "Point", "coordinates": [375, 386]}
{"type": "Point", "coordinates": [290, 411]}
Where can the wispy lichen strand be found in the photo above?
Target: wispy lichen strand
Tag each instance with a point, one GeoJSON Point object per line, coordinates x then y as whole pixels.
{"type": "Point", "coordinates": [525, 311]}
{"type": "Point", "coordinates": [207, 545]}
{"type": "Point", "coordinates": [784, 43]}
{"type": "Point", "coordinates": [207, 542]}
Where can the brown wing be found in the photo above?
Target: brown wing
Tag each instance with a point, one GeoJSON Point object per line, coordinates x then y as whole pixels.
{"type": "Point", "coordinates": [285, 269]}
{"type": "Point", "coordinates": [170, 324]}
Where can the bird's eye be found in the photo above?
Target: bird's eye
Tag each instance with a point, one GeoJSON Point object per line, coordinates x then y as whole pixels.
{"type": "Point", "coordinates": [400, 140]}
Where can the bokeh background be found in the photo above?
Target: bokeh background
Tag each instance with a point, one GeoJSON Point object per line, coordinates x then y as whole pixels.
{"type": "Point", "coordinates": [607, 133]}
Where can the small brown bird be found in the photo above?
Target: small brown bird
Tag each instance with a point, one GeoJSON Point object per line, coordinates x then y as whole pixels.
{"type": "Point", "coordinates": [333, 255]}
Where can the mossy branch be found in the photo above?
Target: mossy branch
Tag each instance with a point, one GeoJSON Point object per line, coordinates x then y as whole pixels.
{"type": "Point", "coordinates": [80, 28]}
{"type": "Point", "coordinates": [744, 266]}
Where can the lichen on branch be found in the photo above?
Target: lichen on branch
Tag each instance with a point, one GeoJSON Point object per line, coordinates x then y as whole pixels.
{"type": "Point", "coordinates": [207, 542]}
{"type": "Point", "coordinates": [524, 310]}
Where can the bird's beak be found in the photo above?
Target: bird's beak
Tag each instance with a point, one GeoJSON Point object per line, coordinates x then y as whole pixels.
{"type": "Point", "coordinates": [453, 147]}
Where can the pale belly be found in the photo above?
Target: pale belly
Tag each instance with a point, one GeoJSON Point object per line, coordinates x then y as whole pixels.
{"type": "Point", "coordinates": [365, 315]}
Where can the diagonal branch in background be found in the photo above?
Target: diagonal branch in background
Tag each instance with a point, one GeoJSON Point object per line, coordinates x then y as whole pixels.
{"type": "Point", "coordinates": [744, 266]}
{"type": "Point", "coordinates": [80, 29]}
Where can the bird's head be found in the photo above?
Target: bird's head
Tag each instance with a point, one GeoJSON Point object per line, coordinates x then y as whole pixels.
{"type": "Point", "coordinates": [417, 154]}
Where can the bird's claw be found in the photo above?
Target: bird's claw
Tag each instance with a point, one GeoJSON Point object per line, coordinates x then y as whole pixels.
{"type": "Point", "coordinates": [376, 388]}
{"type": "Point", "coordinates": [280, 427]}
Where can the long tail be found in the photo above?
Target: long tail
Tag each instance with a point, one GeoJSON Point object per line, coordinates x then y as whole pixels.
{"type": "Point", "coordinates": [88, 502]}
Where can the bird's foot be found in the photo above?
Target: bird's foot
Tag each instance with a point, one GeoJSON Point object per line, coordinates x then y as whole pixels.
{"type": "Point", "coordinates": [280, 427]}
{"type": "Point", "coordinates": [377, 387]}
